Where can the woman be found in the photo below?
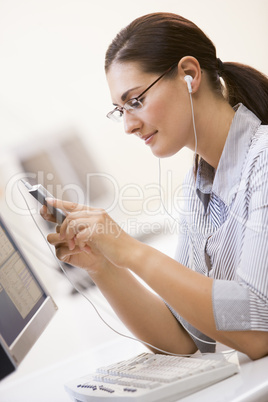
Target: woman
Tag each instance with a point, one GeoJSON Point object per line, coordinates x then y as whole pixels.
{"type": "Point", "coordinates": [217, 287]}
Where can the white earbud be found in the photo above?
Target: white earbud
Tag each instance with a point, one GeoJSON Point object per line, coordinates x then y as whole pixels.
{"type": "Point", "coordinates": [189, 80]}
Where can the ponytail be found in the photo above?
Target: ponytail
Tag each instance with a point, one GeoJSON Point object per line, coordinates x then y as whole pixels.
{"type": "Point", "coordinates": [246, 85]}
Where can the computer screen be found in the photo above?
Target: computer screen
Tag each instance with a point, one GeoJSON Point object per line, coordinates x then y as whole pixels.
{"type": "Point", "coordinates": [25, 306]}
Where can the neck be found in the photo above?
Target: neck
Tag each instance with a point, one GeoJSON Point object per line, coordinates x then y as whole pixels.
{"type": "Point", "coordinates": [213, 121]}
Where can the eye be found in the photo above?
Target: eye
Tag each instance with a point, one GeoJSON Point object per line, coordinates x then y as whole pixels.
{"type": "Point", "coordinates": [133, 104]}
{"type": "Point", "coordinates": [117, 113]}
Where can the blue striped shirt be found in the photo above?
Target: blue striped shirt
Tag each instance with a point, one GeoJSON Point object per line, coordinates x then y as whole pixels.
{"type": "Point", "coordinates": [224, 229]}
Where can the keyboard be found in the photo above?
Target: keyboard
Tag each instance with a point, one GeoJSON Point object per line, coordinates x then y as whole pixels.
{"type": "Point", "coordinates": [150, 377]}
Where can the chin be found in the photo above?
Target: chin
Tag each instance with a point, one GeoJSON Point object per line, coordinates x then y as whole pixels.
{"type": "Point", "coordinates": [160, 153]}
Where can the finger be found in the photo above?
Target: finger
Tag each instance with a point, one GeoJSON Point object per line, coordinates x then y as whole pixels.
{"type": "Point", "coordinates": [66, 206]}
{"type": "Point", "coordinates": [71, 244]}
{"type": "Point", "coordinates": [83, 238]}
{"type": "Point", "coordinates": [75, 223]}
{"type": "Point", "coordinates": [87, 249]}
{"type": "Point", "coordinates": [67, 229]}
{"type": "Point", "coordinates": [54, 239]}
{"type": "Point", "coordinates": [63, 253]}
{"type": "Point", "coordinates": [44, 212]}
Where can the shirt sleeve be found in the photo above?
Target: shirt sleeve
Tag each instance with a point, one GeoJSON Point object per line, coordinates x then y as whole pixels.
{"type": "Point", "coordinates": [243, 304]}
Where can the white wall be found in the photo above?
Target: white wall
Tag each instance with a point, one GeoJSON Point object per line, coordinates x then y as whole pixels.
{"type": "Point", "coordinates": [52, 78]}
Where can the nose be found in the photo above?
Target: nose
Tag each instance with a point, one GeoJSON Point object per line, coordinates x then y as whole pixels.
{"type": "Point", "coordinates": [132, 124]}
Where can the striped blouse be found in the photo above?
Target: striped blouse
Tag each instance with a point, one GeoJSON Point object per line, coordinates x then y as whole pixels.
{"type": "Point", "coordinates": [224, 229]}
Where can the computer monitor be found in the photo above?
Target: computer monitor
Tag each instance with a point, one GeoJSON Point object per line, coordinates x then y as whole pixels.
{"type": "Point", "coordinates": [25, 305]}
{"type": "Point", "coordinates": [64, 166]}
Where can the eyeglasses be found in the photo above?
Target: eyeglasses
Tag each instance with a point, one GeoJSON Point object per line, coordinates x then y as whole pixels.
{"type": "Point", "coordinates": [134, 104]}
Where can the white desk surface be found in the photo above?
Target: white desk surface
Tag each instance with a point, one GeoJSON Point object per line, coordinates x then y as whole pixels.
{"type": "Point", "coordinates": [46, 385]}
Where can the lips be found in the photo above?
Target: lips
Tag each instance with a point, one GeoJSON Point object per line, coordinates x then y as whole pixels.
{"type": "Point", "coordinates": [147, 138]}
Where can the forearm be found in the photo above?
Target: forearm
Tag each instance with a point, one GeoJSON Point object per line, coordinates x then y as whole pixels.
{"type": "Point", "coordinates": [190, 294]}
{"type": "Point", "coordinates": [143, 312]}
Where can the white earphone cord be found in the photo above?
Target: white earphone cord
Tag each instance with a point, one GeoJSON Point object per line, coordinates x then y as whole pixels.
{"type": "Point", "coordinates": [193, 120]}
{"type": "Point", "coordinates": [160, 192]}
{"type": "Point", "coordinates": [85, 296]}
{"type": "Point", "coordinates": [95, 308]}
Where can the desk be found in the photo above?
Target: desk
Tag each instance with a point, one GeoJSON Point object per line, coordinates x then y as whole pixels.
{"type": "Point", "coordinates": [76, 342]}
{"type": "Point", "coordinates": [47, 385]}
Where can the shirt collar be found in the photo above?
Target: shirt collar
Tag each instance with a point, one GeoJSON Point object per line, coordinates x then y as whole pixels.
{"type": "Point", "coordinates": [225, 180]}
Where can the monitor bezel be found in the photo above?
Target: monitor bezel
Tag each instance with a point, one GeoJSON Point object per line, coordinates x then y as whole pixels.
{"type": "Point", "coordinates": [26, 339]}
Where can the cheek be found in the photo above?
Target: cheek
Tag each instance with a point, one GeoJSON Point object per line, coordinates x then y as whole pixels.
{"type": "Point", "coordinates": [174, 122]}
{"type": "Point", "coordinates": [156, 113]}
{"type": "Point", "coordinates": [168, 116]}
{"type": "Point", "coordinates": [168, 106]}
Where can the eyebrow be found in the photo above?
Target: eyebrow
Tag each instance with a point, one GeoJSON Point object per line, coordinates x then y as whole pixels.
{"type": "Point", "coordinates": [125, 94]}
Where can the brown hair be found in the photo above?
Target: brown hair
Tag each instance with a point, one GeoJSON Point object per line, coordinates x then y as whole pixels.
{"type": "Point", "coordinates": [157, 41]}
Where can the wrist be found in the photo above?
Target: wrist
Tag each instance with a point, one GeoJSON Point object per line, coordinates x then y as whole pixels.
{"type": "Point", "coordinates": [104, 271]}
{"type": "Point", "coordinates": [137, 256]}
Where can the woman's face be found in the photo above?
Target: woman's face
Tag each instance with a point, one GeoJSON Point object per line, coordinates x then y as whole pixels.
{"type": "Point", "coordinates": [164, 122]}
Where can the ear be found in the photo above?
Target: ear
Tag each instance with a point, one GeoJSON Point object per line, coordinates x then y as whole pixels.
{"type": "Point", "coordinates": [189, 65]}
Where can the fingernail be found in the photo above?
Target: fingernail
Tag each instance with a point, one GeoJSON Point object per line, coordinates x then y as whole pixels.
{"type": "Point", "coordinates": [49, 200]}
{"type": "Point", "coordinates": [71, 244]}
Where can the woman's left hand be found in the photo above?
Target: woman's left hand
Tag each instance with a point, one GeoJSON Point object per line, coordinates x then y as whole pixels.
{"type": "Point", "coordinates": [84, 226]}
